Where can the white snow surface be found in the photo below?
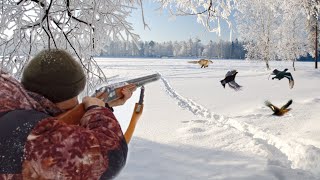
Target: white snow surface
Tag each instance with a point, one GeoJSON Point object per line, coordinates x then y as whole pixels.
{"type": "Point", "coordinates": [194, 129]}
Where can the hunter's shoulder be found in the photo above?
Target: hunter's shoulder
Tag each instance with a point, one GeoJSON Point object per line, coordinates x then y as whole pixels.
{"type": "Point", "coordinates": [14, 96]}
{"type": "Point", "coordinates": [72, 148]}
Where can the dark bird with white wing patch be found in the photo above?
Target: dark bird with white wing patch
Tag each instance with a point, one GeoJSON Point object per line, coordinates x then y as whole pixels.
{"type": "Point", "coordinates": [283, 74]}
{"type": "Point", "coordinates": [229, 79]}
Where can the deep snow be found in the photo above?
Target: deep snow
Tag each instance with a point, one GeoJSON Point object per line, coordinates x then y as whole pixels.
{"type": "Point", "coordinates": [193, 128]}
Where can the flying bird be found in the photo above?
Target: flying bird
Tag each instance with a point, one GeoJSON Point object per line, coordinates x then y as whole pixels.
{"type": "Point", "coordinates": [283, 74]}
{"type": "Point", "coordinates": [279, 111]}
{"type": "Point", "coordinates": [229, 79]}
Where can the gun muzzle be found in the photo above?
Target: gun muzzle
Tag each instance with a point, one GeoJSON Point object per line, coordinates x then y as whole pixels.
{"type": "Point", "coordinates": [144, 80]}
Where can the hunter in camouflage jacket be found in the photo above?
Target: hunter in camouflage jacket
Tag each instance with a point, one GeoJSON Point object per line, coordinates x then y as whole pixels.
{"type": "Point", "coordinates": [34, 144]}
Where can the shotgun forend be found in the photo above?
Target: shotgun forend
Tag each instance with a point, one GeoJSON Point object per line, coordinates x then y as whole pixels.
{"type": "Point", "coordinates": [112, 90]}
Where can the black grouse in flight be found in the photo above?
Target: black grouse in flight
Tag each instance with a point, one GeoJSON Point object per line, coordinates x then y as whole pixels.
{"type": "Point", "coordinates": [229, 79]}
{"type": "Point", "coordinates": [283, 74]}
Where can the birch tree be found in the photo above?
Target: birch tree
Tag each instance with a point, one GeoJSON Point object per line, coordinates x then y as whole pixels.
{"type": "Point", "coordinates": [312, 9]}
{"type": "Point", "coordinates": [292, 42]}
{"type": "Point", "coordinates": [257, 21]}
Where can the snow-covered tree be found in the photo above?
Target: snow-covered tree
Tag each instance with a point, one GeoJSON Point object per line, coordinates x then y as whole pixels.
{"type": "Point", "coordinates": [257, 20]}
{"type": "Point", "coordinates": [237, 51]}
{"type": "Point", "coordinates": [83, 27]}
{"type": "Point", "coordinates": [169, 49]}
{"type": "Point", "coordinates": [292, 42]}
{"type": "Point", "coordinates": [189, 46]}
{"type": "Point", "coordinates": [183, 50]}
{"type": "Point", "coordinates": [152, 46]}
{"type": "Point", "coordinates": [274, 30]}
{"type": "Point", "coordinates": [176, 48]}
{"type": "Point", "coordinates": [312, 10]}
{"type": "Point", "coordinates": [196, 49]}
{"type": "Point", "coordinates": [209, 12]}
{"type": "Point", "coordinates": [208, 50]}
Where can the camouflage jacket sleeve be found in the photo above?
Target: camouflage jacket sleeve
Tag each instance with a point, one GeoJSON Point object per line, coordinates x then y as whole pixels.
{"type": "Point", "coordinates": [94, 150]}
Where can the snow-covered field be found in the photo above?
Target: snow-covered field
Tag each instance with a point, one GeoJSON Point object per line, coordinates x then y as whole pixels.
{"type": "Point", "coordinates": [193, 128]}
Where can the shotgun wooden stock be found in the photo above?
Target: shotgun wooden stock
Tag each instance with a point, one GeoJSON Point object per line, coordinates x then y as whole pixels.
{"type": "Point", "coordinates": [74, 115]}
{"type": "Point", "coordinates": [138, 108]}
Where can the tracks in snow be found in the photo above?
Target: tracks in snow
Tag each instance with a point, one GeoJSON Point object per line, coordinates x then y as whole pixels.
{"type": "Point", "coordinates": [306, 157]}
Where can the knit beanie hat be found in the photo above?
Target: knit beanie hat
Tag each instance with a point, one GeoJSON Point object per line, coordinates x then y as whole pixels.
{"type": "Point", "coordinates": [55, 74]}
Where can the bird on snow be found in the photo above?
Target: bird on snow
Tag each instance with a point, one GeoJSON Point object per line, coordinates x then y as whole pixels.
{"type": "Point", "coordinates": [279, 111]}
{"type": "Point", "coordinates": [281, 74]}
{"type": "Point", "coordinates": [229, 79]}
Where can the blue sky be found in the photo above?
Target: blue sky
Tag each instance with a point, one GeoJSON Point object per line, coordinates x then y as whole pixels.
{"type": "Point", "coordinates": [164, 28]}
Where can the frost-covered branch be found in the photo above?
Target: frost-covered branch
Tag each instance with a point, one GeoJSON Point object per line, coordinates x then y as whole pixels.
{"type": "Point", "coordinates": [273, 30]}
{"type": "Point", "coordinates": [84, 27]}
{"type": "Point", "coordinates": [81, 27]}
{"type": "Point", "coordinates": [209, 12]}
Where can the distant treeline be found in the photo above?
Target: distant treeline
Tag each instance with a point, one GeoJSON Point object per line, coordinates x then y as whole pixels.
{"type": "Point", "coordinates": [182, 49]}
{"type": "Point", "coordinates": [308, 58]}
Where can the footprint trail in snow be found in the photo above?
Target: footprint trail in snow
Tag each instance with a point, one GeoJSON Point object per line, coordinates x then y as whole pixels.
{"type": "Point", "coordinates": [231, 134]}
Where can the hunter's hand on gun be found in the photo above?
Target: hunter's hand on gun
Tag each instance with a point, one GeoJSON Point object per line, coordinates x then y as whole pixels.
{"type": "Point", "coordinates": [126, 92]}
{"type": "Point", "coordinates": [113, 95]}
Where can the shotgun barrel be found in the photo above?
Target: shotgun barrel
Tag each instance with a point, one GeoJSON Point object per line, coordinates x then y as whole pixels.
{"type": "Point", "coordinates": [113, 90]}
{"type": "Point", "coordinates": [141, 81]}
{"type": "Point", "coordinates": [109, 93]}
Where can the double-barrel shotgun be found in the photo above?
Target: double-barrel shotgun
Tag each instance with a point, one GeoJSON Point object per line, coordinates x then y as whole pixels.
{"type": "Point", "coordinates": [110, 93]}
